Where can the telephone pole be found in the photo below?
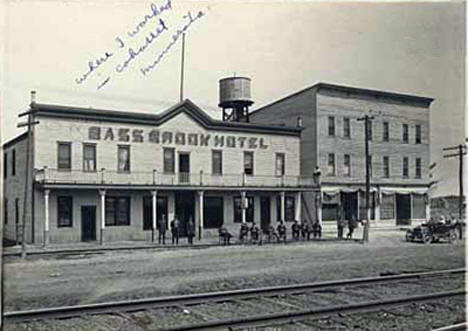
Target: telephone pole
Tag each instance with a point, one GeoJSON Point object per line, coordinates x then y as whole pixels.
{"type": "Point", "coordinates": [29, 165]}
{"type": "Point", "coordinates": [461, 151]}
{"type": "Point", "coordinates": [367, 122]}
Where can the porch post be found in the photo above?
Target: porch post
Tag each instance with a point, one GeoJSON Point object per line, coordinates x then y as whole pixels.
{"type": "Point", "coordinates": [103, 215]}
{"type": "Point", "coordinates": [377, 204]}
{"type": "Point", "coordinates": [155, 221]}
{"type": "Point", "coordinates": [298, 204]}
{"type": "Point", "coordinates": [46, 217]}
{"type": "Point", "coordinates": [428, 206]}
{"type": "Point", "coordinates": [243, 206]}
{"type": "Point", "coordinates": [282, 207]}
{"type": "Point", "coordinates": [319, 204]}
{"type": "Point", "coordinates": [200, 212]}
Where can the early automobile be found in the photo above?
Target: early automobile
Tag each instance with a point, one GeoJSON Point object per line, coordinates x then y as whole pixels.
{"type": "Point", "coordinates": [432, 232]}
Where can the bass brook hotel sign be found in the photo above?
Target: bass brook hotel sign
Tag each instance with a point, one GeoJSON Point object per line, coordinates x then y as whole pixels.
{"type": "Point", "coordinates": [177, 138]}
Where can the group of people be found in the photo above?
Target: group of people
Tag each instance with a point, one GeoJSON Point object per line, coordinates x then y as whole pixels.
{"type": "Point", "coordinates": [176, 229]}
{"type": "Point", "coordinates": [352, 225]}
{"type": "Point", "coordinates": [279, 234]}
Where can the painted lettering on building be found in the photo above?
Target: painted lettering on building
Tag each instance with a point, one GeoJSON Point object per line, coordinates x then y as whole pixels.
{"type": "Point", "coordinates": [175, 138]}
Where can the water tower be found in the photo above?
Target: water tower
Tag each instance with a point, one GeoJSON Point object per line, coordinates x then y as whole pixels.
{"type": "Point", "coordinates": [235, 98]}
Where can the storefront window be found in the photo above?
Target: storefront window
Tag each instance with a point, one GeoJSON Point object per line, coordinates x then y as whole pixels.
{"type": "Point", "coordinates": [64, 211]}
{"type": "Point", "coordinates": [249, 213]}
{"type": "Point", "coordinates": [117, 211]}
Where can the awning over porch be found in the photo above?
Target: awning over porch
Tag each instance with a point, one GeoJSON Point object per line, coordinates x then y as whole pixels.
{"type": "Point", "coordinates": [404, 190]}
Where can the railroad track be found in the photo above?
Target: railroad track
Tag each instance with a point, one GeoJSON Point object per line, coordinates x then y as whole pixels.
{"type": "Point", "coordinates": [278, 304]}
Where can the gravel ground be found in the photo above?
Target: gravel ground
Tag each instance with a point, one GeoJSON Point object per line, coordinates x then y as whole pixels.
{"type": "Point", "coordinates": [112, 276]}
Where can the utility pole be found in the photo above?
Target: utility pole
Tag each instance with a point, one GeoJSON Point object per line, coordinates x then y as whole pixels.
{"type": "Point", "coordinates": [182, 69]}
{"type": "Point", "coordinates": [461, 151]}
{"type": "Point", "coordinates": [367, 122]}
{"type": "Point", "coordinates": [29, 124]}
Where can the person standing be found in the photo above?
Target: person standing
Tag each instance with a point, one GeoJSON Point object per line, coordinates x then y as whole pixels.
{"type": "Point", "coordinates": [162, 230]}
{"type": "Point", "coordinates": [190, 231]}
{"type": "Point", "coordinates": [175, 227]}
{"type": "Point", "coordinates": [340, 224]}
{"type": "Point", "coordinates": [351, 226]}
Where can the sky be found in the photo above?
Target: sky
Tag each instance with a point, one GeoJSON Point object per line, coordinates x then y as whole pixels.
{"type": "Point", "coordinates": [412, 48]}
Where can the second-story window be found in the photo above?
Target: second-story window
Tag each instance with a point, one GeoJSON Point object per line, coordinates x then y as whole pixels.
{"type": "Point", "coordinates": [346, 128]}
{"type": "Point", "coordinates": [347, 165]}
{"type": "Point", "coordinates": [123, 158]}
{"type": "Point", "coordinates": [386, 167]}
{"type": "Point", "coordinates": [405, 167]}
{"type": "Point", "coordinates": [418, 168]}
{"type": "Point", "coordinates": [331, 164]}
{"type": "Point", "coordinates": [5, 165]}
{"type": "Point", "coordinates": [248, 163]}
{"type": "Point", "coordinates": [386, 132]}
{"type": "Point", "coordinates": [5, 210]}
{"type": "Point", "coordinates": [331, 125]}
{"type": "Point", "coordinates": [17, 215]}
{"type": "Point", "coordinates": [64, 156]}
{"type": "Point", "coordinates": [405, 133]}
{"type": "Point", "coordinates": [279, 166]}
{"type": "Point", "coordinates": [89, 157]}
{"type": "Point", "coordinates": [217, 162]}
{"type": "Point", "coordinates": [168, 155]}
{"type": "Point", "coordinates": [418, 134]}
{"type": "Point", "coordinates": [13, 162]}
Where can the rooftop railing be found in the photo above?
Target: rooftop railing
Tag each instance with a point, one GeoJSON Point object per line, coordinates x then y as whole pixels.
{"type": "Point", "coordinates": [112, 177]}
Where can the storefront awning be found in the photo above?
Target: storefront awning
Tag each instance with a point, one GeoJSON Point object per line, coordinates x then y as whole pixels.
{"type": "Point", "coordinates": [331, 190]}
{"type": "Point", "coordinates": [404, 190]}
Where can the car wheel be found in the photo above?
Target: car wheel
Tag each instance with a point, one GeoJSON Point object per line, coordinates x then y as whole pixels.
{"type": "Point", "coordinates": [427, 238]}
{"type": "Point", "coordinates": [452, 237]}
{"type": "Point", "coordinates": [409, 236]}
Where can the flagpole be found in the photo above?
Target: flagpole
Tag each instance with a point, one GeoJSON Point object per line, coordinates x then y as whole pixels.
{"type": "Point", "coordinates": [182, 69]}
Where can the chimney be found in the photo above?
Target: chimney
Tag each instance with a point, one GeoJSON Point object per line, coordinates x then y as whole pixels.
{"type": "Point", "coordinates": [33, 97]}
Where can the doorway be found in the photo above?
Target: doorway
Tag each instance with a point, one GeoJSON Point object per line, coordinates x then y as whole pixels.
{"type": "Point", "coordinates": [265, 213]}
{"type": "Point", "coordinates": [88, 223]}
{"type": "Point", "coordinates": [184, 209]}
{"type": "Point", "coordinates": [184, 167]}
{"type": "Point", "coordinates": [403, 207]}
{"type": "Point", "coordinates": [349, 204]}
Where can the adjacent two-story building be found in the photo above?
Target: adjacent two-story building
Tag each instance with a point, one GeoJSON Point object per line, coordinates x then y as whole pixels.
{"type": "Point", "coordinates": [333, 140]}
{"type": "Point", "coordinates": [112, 175]}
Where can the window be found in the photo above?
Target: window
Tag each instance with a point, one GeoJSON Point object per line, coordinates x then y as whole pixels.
{"type": "Point", "coordinates": [213, 212]}
{"type": "Point", "coordinates": [331, 164]}
{"type": "Point", "coordinates": [13, 162]}
{"type": "Point", "coordinates": [346, 128]}
{"type": "Point", "coordinates": [279, 166]}
{"type": "Point", "coordinates": [16, 210]}
{"type": "Point", "coordinates": [418, 168]}
{"type": "Point", "coordinates": [89, 157]}
{"type": "Point", "coordinates": [5, 165]}
{"type": "Point", "coordinates": [405, 168]}
{"type": "Point", "coordinates": [169, 160]}
{"type": "Point", "coordinates": [123, 158]}
{"type": "Point", "coordinates": [386, 167]}
{"type": "Point", "coordinates": [147, 213]}
{"type": "Point", "coordinates": [117, 211]}
{"type": "Point", "coordinates": [248, 163]}
{"type": "Point", "coordinates": [64, 156]}
{"type": "Point", "coordinates": [289, 212]}
{"type": "Point", "coordinates": [347, 165]}
{"type": "Point", "coordinates": [405, 133]}
{"type": "Point", "coordinates": [5, 210]}
{"type": "Point", "coordinates": [331, 125]}
{"type": "Point", "coordinates": [386, 132]}
{"type": "Point", "coordinates": [217, 162]}
{"type": "Point", "coordinates": [249, 213]}
{"type": "Point", "coordinates": [369, 131]}
{"type": "Point", "coordinates": [418, 134]}
{"type": "Point", "coordinates": [64, 211]}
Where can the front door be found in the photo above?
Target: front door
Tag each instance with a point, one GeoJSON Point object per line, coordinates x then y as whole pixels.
{"type": "Point", "coordinates": [184, 168]}
{"type": "Point", "coordinates": [265, 213]}
{"type": "Point", "coordinates": [88, 223]}
{"type": "Point", "coordinates": [403, 207]}
{"type": "Point", "coordinates": [349, 204]}
{"type": "Point", "coordinates": [184, 209]}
